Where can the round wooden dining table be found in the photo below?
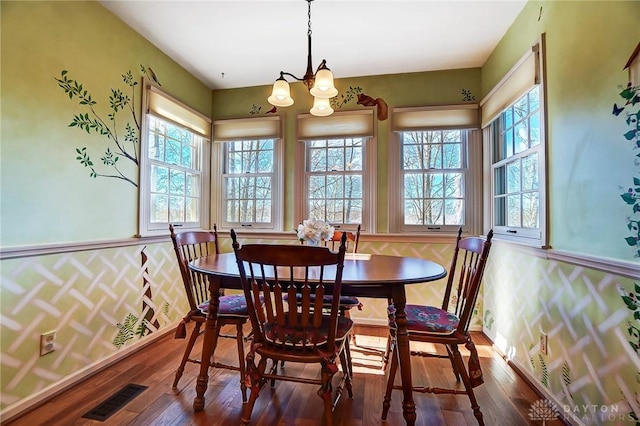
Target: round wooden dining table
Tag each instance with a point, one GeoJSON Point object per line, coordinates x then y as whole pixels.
{"type": "Point", "coordinates": [364, 275]}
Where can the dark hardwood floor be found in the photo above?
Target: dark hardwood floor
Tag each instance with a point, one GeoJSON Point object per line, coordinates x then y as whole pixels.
{"type": "Point", "coordinates": [505, 398]}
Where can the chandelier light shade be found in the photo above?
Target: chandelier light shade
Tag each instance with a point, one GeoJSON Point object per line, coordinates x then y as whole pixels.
{"type": "Point", "coordinates": [281, 95]}
{"type": "Point", "coordinates": [323, 86]}
{"type": "Point", "coordinates": [320, 83]}
{"type": "Point", "coordinates": [321, 107]}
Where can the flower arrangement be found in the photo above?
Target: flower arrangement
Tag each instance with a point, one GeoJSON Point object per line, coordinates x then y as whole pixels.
{"type": "Point", "coordinates": [313, 231]}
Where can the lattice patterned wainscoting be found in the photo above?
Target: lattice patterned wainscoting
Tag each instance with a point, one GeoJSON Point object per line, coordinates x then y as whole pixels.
{"type": "Point", "coordinates": [99, 301]}
{"type": "Point", "coordinates": [592, 367]}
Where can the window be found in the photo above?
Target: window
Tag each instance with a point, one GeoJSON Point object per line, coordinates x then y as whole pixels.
{"type": "Point", "coordinates": [249, 157]}
{"type": "Point", "coordinates": [173, 168]}
{"type": "Point", "coordinates": [433, 177]}
{"type": "Point", "coordinates": [338, 156]}
{"type": "Point", "coordinates": [434, 160]}
{"type": "Point", "coordinates": [516, 153]}
{"type": "Point", "coordinates": [515, 167]}
{"type": "Point", "coordinates": [335, 175]}
{"type": "Point", "coordinates": [247, 181]}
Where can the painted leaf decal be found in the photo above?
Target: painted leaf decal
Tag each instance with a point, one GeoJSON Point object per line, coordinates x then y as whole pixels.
{"type": "Point", "coordinates": [627, 93]}
{"type": "Point", "coordinates": [630, 135]}
{"type": "Point", "coordinates": [632, 241]}
{"type": "Point", "coordinates": [628, 198]}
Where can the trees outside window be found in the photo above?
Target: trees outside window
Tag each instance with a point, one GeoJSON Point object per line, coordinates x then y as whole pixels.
{"type": "Point", "coordinates": [335, 180]}
{"type": "Point", "coordinates": [174, 155]}
{"type": "Point", "coordinates": [433, 178]}
{"type": "Point", "coordinates": [515, 169]}
{"type": "Point", "coordinates": [248, 181]}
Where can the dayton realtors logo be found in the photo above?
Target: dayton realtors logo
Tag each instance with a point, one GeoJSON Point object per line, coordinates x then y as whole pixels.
{"type": "Point", "coordinates": [598, 413]}
{"type": "Point", "coordinates": [545, 410]}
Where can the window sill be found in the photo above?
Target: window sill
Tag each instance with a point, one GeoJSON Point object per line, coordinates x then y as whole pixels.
{"type": "Point", "coordinates": [440, 237]}
{"type": "Point", "coordinates": [535, 243]}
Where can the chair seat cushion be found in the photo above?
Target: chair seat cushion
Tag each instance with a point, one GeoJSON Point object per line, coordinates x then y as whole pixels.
{"type": "Point", "coordinates": [232, 305]}
{"type": "Point", "coordinates": [301, 336]}
{"type": "Point", "coordinates": [426, 319]}
{"type": "Point", "coordinates": [345, 301]}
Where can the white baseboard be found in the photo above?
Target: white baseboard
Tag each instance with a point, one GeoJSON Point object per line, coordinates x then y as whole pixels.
{"type": "Point", "coordinates": [49, 392]}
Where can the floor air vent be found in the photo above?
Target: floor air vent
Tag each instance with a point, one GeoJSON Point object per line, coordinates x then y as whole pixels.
{"type": "Point", "coordinates": [118, 400]}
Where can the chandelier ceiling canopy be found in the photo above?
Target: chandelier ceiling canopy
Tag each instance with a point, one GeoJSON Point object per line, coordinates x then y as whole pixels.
{"type": "Point", "coordinates": [320, 83]}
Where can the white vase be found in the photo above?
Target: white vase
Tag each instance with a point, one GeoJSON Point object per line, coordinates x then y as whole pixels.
{"type": "Point", "coordinates": [313, 243]}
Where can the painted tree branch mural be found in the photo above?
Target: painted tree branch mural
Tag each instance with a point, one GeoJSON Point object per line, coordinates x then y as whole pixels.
{"type": "Point", "coordinates": [124, 145]}
{"type": "Point", "coordinates": [630, 111]}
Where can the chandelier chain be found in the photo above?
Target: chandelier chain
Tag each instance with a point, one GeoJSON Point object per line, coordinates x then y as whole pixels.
{"type": "Point", "coordinates": [309, 15]}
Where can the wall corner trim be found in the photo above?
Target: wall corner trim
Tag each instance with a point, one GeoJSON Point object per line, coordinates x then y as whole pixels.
{"type": "Point", "coordinates": [45, 249]}
{"type": "Point", "coordinates": [623, 268]}
{"type": "Point", "coordinates": [614, 266]}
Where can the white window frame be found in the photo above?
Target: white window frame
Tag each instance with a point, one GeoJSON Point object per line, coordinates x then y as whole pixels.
{"type": "Point", "coordinates": [463, 117]}
{"type": "Point", "coordinates": [247, 129]}
{"type": "Point", "coordinates": [526, 74]}
{"type": "Point", "coordinates": [163, 106]}
{"type": "Point", "coordinates": [340, 125]}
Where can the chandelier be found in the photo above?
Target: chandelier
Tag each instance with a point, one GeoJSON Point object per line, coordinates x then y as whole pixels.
{"type": "Point", "coordinates": [320, 83]}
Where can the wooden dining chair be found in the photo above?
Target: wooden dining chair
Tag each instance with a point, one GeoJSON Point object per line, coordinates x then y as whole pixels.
{"type": "Point", "coordinates": [190, 245]}
{"type": "Point", "coordinates": [295, 333]}
{"type": "Point", "coordinates": [346, 302]}
{"type": "Point", "coordinates": [448, 325]}
{"type": "Point", "coordinates": [353, 239]}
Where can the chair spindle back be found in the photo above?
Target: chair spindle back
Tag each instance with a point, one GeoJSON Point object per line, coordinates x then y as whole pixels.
{"type": "Point", "coordinates": [268, 272]}
{"type": "Point", "coordinates": [190, 245]}
{"type": "Point", "coordinates": [472, 253]}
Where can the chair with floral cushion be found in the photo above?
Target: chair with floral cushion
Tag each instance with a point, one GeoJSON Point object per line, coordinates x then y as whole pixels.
{"type": "Point", "coordinates": [449, 324]}
{"type": "Point", "coordinates": [296, 333]}
{"type": "Point", "coordinates": [190, 245]}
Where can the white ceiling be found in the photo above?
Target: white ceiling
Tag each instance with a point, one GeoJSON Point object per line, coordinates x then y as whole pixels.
{"type": "Point", "coordinates": [241, 43]}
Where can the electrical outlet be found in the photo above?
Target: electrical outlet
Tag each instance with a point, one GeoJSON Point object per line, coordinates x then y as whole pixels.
{"type": "Point", "coordinates": [543, 344]}
{"type": "Point", "coordinates": [47, 342]}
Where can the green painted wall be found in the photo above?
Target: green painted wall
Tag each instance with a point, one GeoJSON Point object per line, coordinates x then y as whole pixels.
{"type": "Point", "coordinates": [398, 90]}
{"type": "Point", "coordinates": [47, 195]}
{"type": "Point", "coordinates": [588, 44]}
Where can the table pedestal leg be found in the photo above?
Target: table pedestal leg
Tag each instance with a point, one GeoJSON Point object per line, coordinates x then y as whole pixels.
{"type": "Point", "coordinates": [207, 343]}
{"type": "Point", "coordinates": [404, 355]}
